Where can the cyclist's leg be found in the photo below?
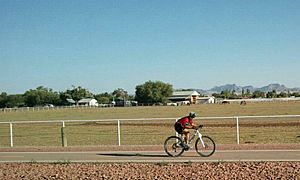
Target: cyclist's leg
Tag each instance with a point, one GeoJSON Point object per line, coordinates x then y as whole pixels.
{"type": "Point", "coordinates": [186, 133]}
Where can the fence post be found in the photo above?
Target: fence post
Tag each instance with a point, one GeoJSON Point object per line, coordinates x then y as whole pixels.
{"type": "Point", "coordinates": [63, 136]}
{"type": "Point", "coordinates": [237, 131]}
{"type": "Point", "coordinates": [176, 133]}
{"type": "Point", "coordinates": [11, 135]}
{"type": "Point", "coordinates": [119, 133]}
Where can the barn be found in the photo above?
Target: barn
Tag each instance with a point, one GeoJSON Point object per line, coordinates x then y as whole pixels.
{"type": "Point", "coordinates": [184, 96]}
{"type": "Point", "coordinates": [206, 100]}
{"type": "Point", "coordinates": [88, 102]}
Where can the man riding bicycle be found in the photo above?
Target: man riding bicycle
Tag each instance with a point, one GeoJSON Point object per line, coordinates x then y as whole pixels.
{"type": "Point", "coordinates": [183, 125]}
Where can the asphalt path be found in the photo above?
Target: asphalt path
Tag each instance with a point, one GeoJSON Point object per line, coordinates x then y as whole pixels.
{"type": "Point", "coordinates": [150, 156]}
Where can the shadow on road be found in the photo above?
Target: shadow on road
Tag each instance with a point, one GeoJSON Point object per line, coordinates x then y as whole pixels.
{"type": "Point", "coordinates": [132, 154]}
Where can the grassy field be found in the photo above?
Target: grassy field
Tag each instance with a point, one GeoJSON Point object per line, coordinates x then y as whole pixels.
{"type": "Point", "coordinates": [223, 131]}
{"type": "Point", "coordinates": [276, 108]}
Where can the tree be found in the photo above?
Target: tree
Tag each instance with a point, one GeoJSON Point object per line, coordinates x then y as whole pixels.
{"type": "Point", "coordinates": [225, 94]}
{"type": "Point", "coordinates": [216, 95]}
{"type": "Point", "coordinates": [283, 95]}
{"type": "Point", "coordinates": [63, 96]}
{"type": "Point", "coordinates": [233, 95]}
{"type": "Point", "coordinates": [248, 93]}
{"type": "Point", "coordinates": [41, 96]}
{"type": "Point", "coordinates": [77, 93]}
{"type": "Point", "coordinates": [258, 94]}
{"type": "Point", "coordinates": [243, 93]}
{"type": "Point", "coordinates": [104, 98]}
{"type": "Point", "coordinates": [10, 101]}
{"type": "Point", "coordinates": [3, 99]}
{"type": "Point", "coordinates": [153, 92]}
{"type": "Point", "coordinates": [296, 94]}
{"type": "Point", "coordinates": [272, 94]}
{"type": "Point", "coordinates": [16, 100]}
{"type": "Point", "coordinates": [120, 93]}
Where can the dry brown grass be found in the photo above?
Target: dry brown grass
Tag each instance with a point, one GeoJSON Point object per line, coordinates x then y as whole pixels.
{"type": "Point", "coordinates": [267, 108]}
{"type": "Point", "coordinates": [223, 131]}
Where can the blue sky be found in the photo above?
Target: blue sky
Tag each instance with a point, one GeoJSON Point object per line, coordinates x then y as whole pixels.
{"type": "Point", "coordinates": [105, 45]}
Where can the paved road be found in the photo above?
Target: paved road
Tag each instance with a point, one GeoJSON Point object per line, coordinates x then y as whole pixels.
{"type": "Point", "coordinates": [150, 156]}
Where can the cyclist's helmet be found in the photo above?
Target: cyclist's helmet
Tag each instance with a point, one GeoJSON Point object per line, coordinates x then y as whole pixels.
{"type": "Point", "coordinates": [192, 114]}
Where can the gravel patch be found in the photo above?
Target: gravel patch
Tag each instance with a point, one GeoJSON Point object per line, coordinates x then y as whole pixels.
{"type": "Point", "coordinates": [219, 170]}
{"type": "Point", "coordinates": [242, 170]}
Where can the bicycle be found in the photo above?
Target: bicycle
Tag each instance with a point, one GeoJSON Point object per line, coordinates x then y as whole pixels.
{"type": "Point", "coordinates": [205, 146]}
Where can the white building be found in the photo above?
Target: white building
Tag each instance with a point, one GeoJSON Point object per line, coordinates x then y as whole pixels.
{"type": "Point", "coordinates": [88, 102]}
{"type": "Point", "coordinates": [190, 97]}
{"type": "Point", "coordinates": [206, 100]}
{"type": "Point", "coordinates": [183, 96]}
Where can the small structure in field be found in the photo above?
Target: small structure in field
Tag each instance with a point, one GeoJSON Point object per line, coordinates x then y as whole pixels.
{"type": "Point", "coordinates": [206, 100]}
{"type": "Point", "coordinates": [88, 102]}
{"type": "Point", "coordinates": [184, 96]}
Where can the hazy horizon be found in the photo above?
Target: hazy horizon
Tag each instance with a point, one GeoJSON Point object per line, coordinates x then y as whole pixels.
{"type": "Point", "coordinates": [195, 88]}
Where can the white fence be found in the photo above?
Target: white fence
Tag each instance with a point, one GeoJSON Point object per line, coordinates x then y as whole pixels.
{"type": "Point", "coordinates": [22, 109]}
{"type": "Point", "coordinates": [64, 124]}
{"type": "Point", "coordinates": [264, 99]}
{"type": "Point", "coordinates": [26, 109]}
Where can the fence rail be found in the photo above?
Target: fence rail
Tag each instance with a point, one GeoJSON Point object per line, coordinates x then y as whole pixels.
{"type": "Point", "coordinates": [43, 108]}
{"type": "Point", "coordinates": [235, 120]}
{"type": "Point", "coordinates": [22, 109]}
{"type": "Point", "coordinates": [27, 109]}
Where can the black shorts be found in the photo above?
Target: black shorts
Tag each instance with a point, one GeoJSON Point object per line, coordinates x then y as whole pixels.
{"type": "Point", "coordinates": [178, 128]}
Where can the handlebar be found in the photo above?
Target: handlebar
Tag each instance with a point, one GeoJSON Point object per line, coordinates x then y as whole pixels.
{"type": "Point", "coordinates": [199, 127]}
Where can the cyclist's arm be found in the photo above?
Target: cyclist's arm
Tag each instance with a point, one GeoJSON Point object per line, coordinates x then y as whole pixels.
{"type": "Point", "coordinates": [191, 126]}
{"type": "Point", "coordinates": [194, 125]}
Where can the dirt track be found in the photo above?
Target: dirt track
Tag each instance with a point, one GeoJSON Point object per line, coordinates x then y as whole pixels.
{"type": "Point", "coordinates": [146, 148]}
{"type": "Point", "coordinates": [261, 170]}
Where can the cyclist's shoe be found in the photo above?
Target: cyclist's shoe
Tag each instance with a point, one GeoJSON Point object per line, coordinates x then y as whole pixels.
{"type": "Point", "coordinates": [177, 146]}
{"type": "Point", "coordinates": [185, 146]}
{"type": "Point", "coordinates": [190, 146]}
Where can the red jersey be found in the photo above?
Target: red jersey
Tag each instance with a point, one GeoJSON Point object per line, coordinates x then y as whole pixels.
{"type": "Point", "coordinates": [185, 121]}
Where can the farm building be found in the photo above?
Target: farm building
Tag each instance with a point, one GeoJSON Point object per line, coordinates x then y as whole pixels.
{"type": "Point", "coordinates": [88, 102]}
{"type": "Point", "coordinates": [71, 101]}
{"type": "Point", "coordinates": [190, 97]}
{"type": "Point", "coordinates": [206, 100]}
{"type": "Point", "coordinates": [183, 96]}
{"type": "Point", "coordinates": [120, 102]}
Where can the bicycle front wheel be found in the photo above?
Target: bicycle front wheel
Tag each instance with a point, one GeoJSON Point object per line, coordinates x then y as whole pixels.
{"type": "Point", "coordinates": [173, 146]}
{"type": "Point", "coordinates": [207, 148]}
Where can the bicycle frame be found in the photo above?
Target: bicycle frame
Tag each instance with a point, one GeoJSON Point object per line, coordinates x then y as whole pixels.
{"type": "Point", "coordinates": [196, 132]}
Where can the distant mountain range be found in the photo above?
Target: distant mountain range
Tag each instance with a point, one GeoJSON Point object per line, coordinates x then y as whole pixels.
{"type": "Point", "coordinates": [238, 89]}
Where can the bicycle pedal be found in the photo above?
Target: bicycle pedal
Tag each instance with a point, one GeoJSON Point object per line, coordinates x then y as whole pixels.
{"type": "Point", "coordinates": [186, 147]}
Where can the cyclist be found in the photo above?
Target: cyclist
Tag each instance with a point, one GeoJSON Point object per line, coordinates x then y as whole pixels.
{"type": "Point", "coordinates": [183, 125]}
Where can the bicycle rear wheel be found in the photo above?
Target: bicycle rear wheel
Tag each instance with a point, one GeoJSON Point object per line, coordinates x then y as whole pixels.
{"type": "Point", "coordinates": [173, 146]}
{"type": "Point", "coordinates": [209, 146]}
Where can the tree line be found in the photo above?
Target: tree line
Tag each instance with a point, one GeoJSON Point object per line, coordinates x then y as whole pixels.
{"type": "Point", "coordinates": [231, 94]}
{"type": "Point", "coordinates": [149, 92]}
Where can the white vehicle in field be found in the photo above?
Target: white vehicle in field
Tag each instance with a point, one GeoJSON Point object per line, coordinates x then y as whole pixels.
{"type": "Point", "coordinates": [171, 104]}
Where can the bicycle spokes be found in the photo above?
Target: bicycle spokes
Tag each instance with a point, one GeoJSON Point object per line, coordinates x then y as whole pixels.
{"type": "Point", "coordinates": [205, 146]}
{"type": "Point", "coordinates": [173, 146]}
